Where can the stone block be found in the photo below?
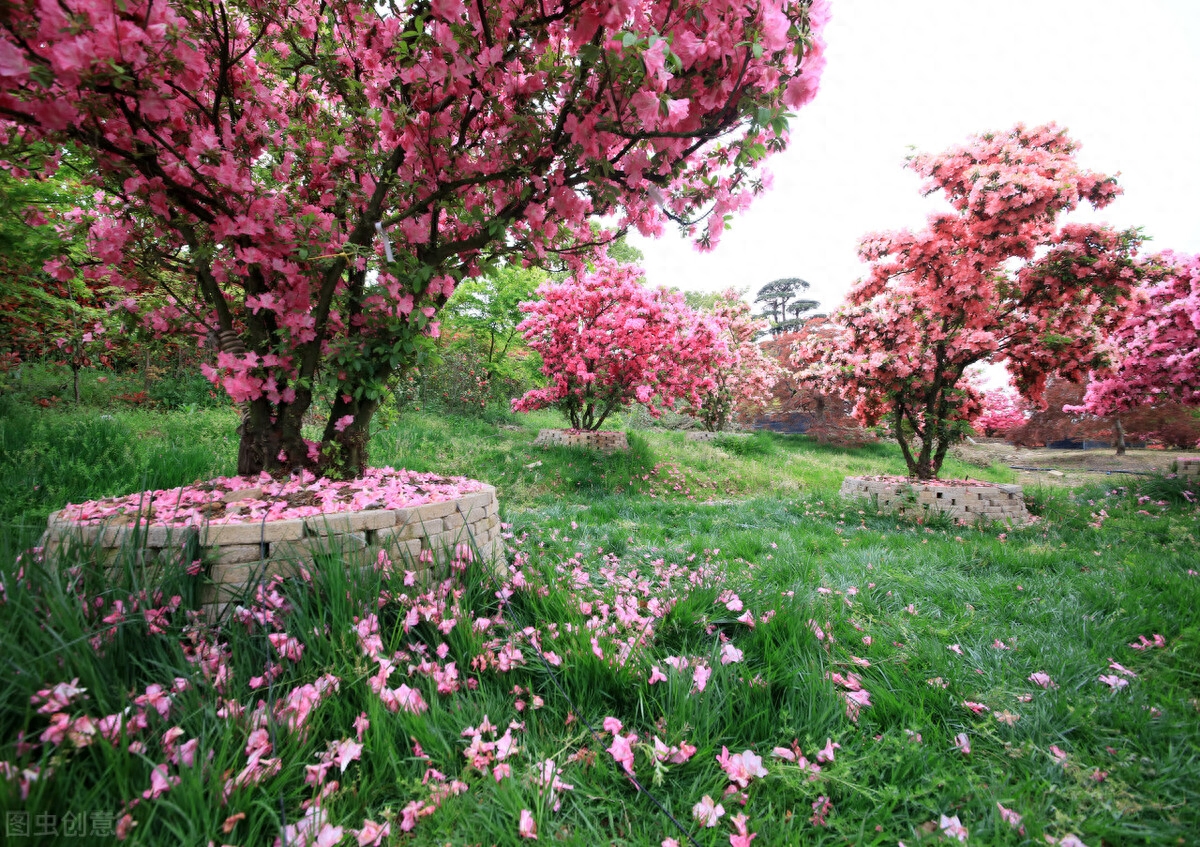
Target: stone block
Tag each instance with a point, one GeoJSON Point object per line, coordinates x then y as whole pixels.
{"type": "Point", "coordinates": [169, 536]}
{"type": "Point", "coordinates": [404, 533]}
{"type": "Point", "coordinates": [342, 522]}
{"type": "Point", "coordinates": [243, 573]}
{"type": "Point", "coordinates": [433, 511]}
{"type": "Point", "coordinates": [345, 544]}
{"type": "Point", "coordinates": [219, 535]}
{"type": "Point", "coordinates": [475, 515]}
{"type": "Point", "coordinates": [479, 499]}
{"type": "Point", "coordinates": [231, 554]}
{"type": "Point", "coordinates": [242, 494]}
{"type": "Point", "coordinates": [398, 546]}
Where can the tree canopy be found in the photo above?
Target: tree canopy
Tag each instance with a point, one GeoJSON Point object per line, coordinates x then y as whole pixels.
{"type": "Point", "coordinates": [781, 298]}
{"type": "Point", "coordinates": [309, 180]}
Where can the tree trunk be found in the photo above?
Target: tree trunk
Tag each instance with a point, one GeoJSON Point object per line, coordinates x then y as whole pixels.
{"type": "Point", "coordinates": [265, 444]}
{"type": "Point", "coordinates": [898, 431]}
{"type": "Point", "coordinates": [75, 381]}
{"type": "Point", "coordinates": [260, 440]}
{"type": "Point", "coordinates": [1119, 435]}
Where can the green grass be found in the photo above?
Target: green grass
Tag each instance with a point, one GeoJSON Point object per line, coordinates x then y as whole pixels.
{"type": "Point", "coordinates": [652, 540]}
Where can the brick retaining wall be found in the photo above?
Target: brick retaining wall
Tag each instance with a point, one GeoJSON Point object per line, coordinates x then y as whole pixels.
{"type": "Point", "coordinates": [607, 441]}
{"type": "Point", "coordinates": [1188, 466]}
{"type": "Point", "coordinates": [238, 555]}
{"type": "Point", "coordinates": [966, 500]}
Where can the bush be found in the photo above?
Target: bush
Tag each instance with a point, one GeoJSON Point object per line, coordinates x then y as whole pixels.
{"type": "Point", "coordinates": [458, 381]}
{"type": "Point", "coordinates": [187, 389]}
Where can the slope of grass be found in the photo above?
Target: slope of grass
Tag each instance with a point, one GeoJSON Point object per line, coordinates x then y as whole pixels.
{"type": "Point", "coordinates": [660, 563]}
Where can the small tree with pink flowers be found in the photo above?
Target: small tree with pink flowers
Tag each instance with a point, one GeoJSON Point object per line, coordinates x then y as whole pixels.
{"type": "Point", "coordinates": [997, 279]}
{"type": "Point", "coordinates": [1153, 350]}
{"type": "Point", "coordinates": [308, 180]}
{"type": "Point", "coordinates": [1003, 409]}
{"type": "Point", "coordinates": [744, 376]}
{"type": "Point", "coordinates": [607, 341]}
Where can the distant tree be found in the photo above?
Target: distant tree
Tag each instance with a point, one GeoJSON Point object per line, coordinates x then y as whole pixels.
{"type": "Point", "coordinates": [48, 308]}
{"type": "Point", "coordinates": [1003, 410]}
{"type": "Point", "coordinates": [1153, 350]}
{"type": "Point", "coordinates": [995, 279]}
{"type": "Point", "coordinates": [705, 301]}
{"type": "Point", "coordinates": [743, 374]}
{"type": "Point", "coordinates": [488, 309]}
{"type": "Point", "coordinates": [1166, 422]}
{"type": "Point", "coordinates": [607, 341]}
{"type": "Point", "coordinates": [826, 417]}
{"type": "Point", "coordinates": [781, 298]}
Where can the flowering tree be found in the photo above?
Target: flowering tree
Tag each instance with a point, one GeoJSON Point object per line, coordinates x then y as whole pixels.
{"type": "Point", "coordinates": [995, 280]}
{"type": "Point", "coordinates": [1001, 409]}
{"type": "Point", "coordinates": [1154, 349]}
{"type": "Point", "coordinates": [744, 377]}
{"type": "Point", "coordinates": [309, 180]}
{"type": "Point", "coordinates": [606, 340]}
{"type": "Point", "coordinates": [1065, 418]}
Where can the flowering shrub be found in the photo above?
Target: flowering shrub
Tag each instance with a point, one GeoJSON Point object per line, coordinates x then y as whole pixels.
{"type": "Point", "coordinates": [1154, 348]}
{"type": "Point", "coordinates": [1003, 410]}
{"type": "Point", "coordinates": [995, 280]}
{"type": "Point", "coordinates": [607, 341]}
{"type": "Point", "coordinates": [744, 376]}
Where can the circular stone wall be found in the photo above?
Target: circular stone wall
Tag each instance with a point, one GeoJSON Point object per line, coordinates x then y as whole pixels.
{"type": "Point", "coordinates": [606, 441]}
{"type": "Point", "coordinates": [240, 554]}
{"type": "Point", "coordinates": [967, 500]}
{"type": "Point", "coordinates": [1188, 466]}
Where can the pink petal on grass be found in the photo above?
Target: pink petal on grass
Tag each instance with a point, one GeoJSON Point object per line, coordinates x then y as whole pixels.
{"type": "Point", "coordinates": [707, 812]}
{"type": "Point", "coordinates": [826, 755]}
{"type": "Point", "coordinates": [1011, 818]}
{"type": "Point", "coordinates": [1042, 679]}
{"type": "Point", "coordinates": [952, 827]}
{"type": "Point", "coordinates": [526, 826]}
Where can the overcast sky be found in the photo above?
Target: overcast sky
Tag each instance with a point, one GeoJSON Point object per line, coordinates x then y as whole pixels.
{"type": "Point", "coordinates": [1123, 78]}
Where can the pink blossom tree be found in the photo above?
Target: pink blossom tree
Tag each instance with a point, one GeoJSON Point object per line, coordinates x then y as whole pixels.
{"type": "Point", "coordinates": [1001, 410]}
{"type": "Point", "coordinates": [1153, 349]}
{"type": "Point", "coordinates": [997, 279]}
{"type": "Point", "coordinates": [607, 341]}
{"type": "Point", "coordinates": [744, 377]}
{"type": "Point", "coordinates": [308, 180]}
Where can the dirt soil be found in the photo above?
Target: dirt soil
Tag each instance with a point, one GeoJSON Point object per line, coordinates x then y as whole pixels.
{"type": "Point", "coordinates": [1068, 468]}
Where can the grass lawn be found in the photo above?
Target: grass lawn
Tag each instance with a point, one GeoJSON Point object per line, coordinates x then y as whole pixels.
{"type": "Point", "coordinates": [708, 619]}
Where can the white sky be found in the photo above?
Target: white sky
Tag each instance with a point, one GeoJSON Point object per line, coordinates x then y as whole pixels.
{"type": "Point", "coordinates": [1123, 78]}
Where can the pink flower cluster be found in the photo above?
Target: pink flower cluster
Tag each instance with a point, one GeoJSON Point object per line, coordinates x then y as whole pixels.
{"type": "Point", "coordinates": [744, 376]}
